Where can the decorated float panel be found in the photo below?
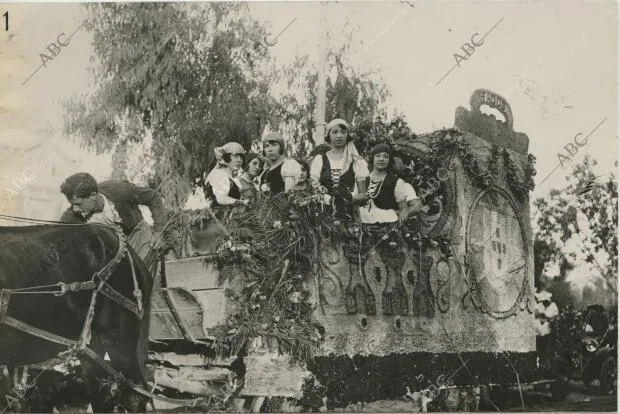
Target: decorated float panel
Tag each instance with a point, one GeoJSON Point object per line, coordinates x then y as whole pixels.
{"type": "Point", "coordinates": [449, 292]}
{"type": "Point", "coordinates": [467, 274]}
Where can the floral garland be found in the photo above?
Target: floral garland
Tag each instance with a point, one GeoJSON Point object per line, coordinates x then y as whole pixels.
{"type": "Point", "coordinates": [521, 189]}
{"type": "Point", "coordinates": [481, 177]}
{"type": "Point", "coordinates": [447, 142]}
{"type": "Point", "coordinates": [273, 259]}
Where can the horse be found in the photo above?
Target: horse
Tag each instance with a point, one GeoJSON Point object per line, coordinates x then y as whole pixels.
{"type": "Point", "coordinates": [33, 259]}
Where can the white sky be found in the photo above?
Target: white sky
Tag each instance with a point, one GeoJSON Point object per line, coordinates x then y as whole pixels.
{"type": "Point", "coordinates": [555, 62]}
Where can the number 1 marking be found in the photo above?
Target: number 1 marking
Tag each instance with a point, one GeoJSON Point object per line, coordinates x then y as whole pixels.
{"type": "Point", "coordinates": [6, 20]}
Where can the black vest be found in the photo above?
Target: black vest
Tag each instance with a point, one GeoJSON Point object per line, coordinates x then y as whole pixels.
{"type": "Point", "coordinates": [233, 192]}
{"type": "Point", "coordinates": [347, 179]}
{"type": "Point", "coordinates": [274, 179]}
{"type": "Point", "coordinates": [386, 200]}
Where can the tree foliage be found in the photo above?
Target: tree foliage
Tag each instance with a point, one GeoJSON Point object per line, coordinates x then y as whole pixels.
{"type": "Point", "coordinates": [584, 213]}
{"type": "Point", "coordinates": [350, 95]}
{"type": "Point", "coordinates": [189, 75]}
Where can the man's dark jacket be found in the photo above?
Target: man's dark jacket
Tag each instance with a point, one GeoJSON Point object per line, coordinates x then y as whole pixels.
{"type": "Point", "coordinates": [126, 198]}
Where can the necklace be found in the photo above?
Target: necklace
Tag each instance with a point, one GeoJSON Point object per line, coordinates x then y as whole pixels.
{"type": "Point", "coordinates": [378, 186]}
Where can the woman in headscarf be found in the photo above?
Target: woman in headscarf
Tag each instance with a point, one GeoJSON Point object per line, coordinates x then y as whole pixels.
{"type": "Point", "coordinates": [340, 168]}
{"type": "Point", "coordinates": [252, 169]}
{"type": "Point", "coordinates": [222, 192]}
{"type": "Point", "coordinates": [222, 188]}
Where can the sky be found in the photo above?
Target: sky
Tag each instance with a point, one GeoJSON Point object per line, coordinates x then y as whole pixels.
{"type": "Point", "coordinates": [555, 62]}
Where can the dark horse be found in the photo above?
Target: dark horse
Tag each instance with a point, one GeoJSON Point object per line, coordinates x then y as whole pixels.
{"type": "Point", "coordinates": [45, 255]}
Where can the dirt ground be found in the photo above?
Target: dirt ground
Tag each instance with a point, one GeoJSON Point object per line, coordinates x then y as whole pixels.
{"type": "Point", "coordinates": [577, 401]}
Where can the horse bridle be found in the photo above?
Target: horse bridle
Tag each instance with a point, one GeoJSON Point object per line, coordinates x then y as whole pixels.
{"type": "Point", "coordinates": [98, 284]}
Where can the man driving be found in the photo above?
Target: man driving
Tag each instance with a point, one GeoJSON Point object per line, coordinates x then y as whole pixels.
{"type": "Point", "coordinates": [116, 202]}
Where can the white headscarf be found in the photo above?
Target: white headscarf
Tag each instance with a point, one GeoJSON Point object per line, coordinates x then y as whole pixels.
{"type": "Point", "coordinates": [350, 151]}
{"type": "Point", "coordinates": [228, 148]}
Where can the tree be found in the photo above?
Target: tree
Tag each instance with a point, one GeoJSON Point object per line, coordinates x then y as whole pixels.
{"type": "Point", "coordinates": [190, 76]}
{"type": "Point", "coordinates": [350, 95]}
{"type": "Point", "coordinates": [586, 213]}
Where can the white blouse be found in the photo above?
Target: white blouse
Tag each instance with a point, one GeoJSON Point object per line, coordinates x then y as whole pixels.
{"type": "Point", "coordinates": [370, 213]}
{"type": "Point", "coordinates": [290, 168]}
{"type": "Point", "coordinates": [219, 179]}
{"type": "Point", "coordinates": [410, 193]}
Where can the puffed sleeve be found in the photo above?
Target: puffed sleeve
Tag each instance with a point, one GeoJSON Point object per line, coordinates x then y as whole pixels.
{"type": "Point", "coordinates": [552, 311]}
{"type": "Point", "coordinates": [360, 168]}
{"type": "Point", "coordinates": [316, 167]}
{"type": "Point", "coordinates": [291, 168]}
{"type": "Point", "coordinates": [410, 193]}
{"type": "Point", "coordinates": [220, 182]}
{"type": "Point", "coordinates": [400, 192]}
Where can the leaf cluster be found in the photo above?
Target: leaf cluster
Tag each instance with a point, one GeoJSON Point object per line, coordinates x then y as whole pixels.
{"type": "Point", "coordinates": [274, 253]}
{"type": "Point", "coordinates": [186, 74]}
{"type": "Point", "coordinates": [584, 213]}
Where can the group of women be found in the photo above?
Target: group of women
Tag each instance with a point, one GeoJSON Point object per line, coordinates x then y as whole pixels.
{"type": "Point", "coordinates": [382, 197]}
{"type": "Point", "coordinates": [371, 192]}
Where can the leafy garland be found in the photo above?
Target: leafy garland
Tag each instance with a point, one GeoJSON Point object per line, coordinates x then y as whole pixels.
{"type": "Point", "coordinates": [481, 177]}
{"type": "Point", "coordinates": [520, 188]}
{"type": "Point", "coordinates": [274, 256]}
{"type": "Point", "coordinates": [447, 142]}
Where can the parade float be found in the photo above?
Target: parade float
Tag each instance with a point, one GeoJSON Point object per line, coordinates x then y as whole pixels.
{"type": "Point", "coordinates": [291, 300]}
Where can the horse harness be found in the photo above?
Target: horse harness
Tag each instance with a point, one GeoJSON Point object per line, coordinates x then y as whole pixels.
{"type": "Point", "coordinates": [98, 284]}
